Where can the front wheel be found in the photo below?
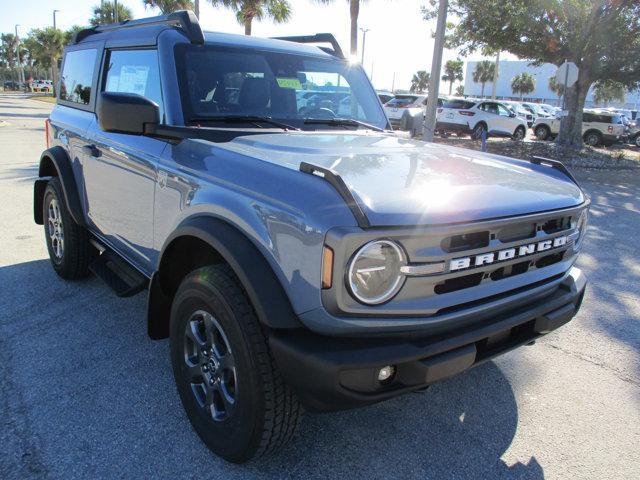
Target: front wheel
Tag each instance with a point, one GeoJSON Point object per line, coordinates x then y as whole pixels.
{"type": "Point", "coordinates": [227, 380]}
{"type": "Point", "coordinates": [519, 134]}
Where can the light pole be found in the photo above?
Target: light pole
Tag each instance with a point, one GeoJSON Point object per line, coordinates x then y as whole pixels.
{"type": "Point", "coordinates": [434, 81]}
{"type": "Point", "coordinates": [196, 8]}
{"type": "Point", "coordinates": [115, 11]}
{"type": "Point", "coordinates": [364, 41]}
{"type": "Point", "coordinates": [20, 67]}
{"type": "Point", "coordinates": [54, 66]}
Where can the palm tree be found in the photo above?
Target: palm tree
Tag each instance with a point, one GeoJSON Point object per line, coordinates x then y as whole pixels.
{"type": "Point", "coordinates": [104, 13]}
{"type": "Point", "coordinates": [460, 90]}
{"type": "Point", "coordinates": [606, 91]}
{"type": "Point", "coordinates": [246, 10]}
{"type": "Point", "coordinates": [483, 73]}
{"type": "Point", "coordinates": [8, 49]}
{"type": "Point", "coordinates": [168, 6]}
{"type": "Point", "coordinates": [452, 72]}
{"type": "Point", "coordinates": [46, 46]}
{"type": "Point", "coordinates": [523, 84]}
{"type": "Point", "coordinates": [420, 81]}
{"type": "Point", "coordinates": [555, 87]}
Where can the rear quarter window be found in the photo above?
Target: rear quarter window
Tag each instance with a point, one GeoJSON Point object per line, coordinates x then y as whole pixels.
{"type": "Point", "coordinates": [458, 104]}
{"type": "Point", "coordinates": [401, 101]}
{"type": "Point", "coordinates": [76, 79]}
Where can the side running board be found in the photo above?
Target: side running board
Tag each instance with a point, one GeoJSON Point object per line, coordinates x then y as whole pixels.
{"type": "Point", "coordinates": [554, 164]}
{"type": "Point", "coordinates": [123, 279]}
{"type": "Point", "coordinates": [337, 182]}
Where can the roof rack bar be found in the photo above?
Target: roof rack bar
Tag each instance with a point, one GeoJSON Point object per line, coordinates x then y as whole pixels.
{"type": "Point", "coordinates": [185, 19]}
{"type": "Point", "coordinates": [317, 38]}
{"type": "Point", "coordinates": [553, 164]}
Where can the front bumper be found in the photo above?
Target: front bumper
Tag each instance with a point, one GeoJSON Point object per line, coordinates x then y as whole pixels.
{"type": "Point", "coordinates": [330, 373]}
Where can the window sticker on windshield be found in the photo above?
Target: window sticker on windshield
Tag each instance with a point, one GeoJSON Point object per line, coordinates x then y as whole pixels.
{"type": "Point", "coordinates": [133, 79]}
{"type": "Point", "coordinates": [284, 82]}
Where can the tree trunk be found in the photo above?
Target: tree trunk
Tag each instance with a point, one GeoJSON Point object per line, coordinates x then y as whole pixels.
{"type": "Point", "coordinates": [450, 87]}
{"type": "Point", "coordinates": [247, 25]}
{"type": "Point", "coordinates": [482, 94]}
{"type": "Point", "coordinates": [354, 10]}
{"type": "Point", "coordinates": [575, 96]}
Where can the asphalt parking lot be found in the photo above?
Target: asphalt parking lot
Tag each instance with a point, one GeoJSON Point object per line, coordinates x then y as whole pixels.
{"type": "Point", "coordinates": [85, 394]}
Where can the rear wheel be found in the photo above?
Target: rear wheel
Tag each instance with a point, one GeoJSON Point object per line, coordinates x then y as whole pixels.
{"type": "Point", "coordinates": [637, 141]}
{"type": "Point", "coordinates": [478, 131]}
{"type": "Point", "coordinates": [593, 139]}
{"type": "Point", "coordinates": [227, 379]}
{"type": "Point", "coordinates": [542, 132]}
{"type": "Point", "coordinates": [519, 134]}
{"type": "Point", "coordinates": [67, 242]}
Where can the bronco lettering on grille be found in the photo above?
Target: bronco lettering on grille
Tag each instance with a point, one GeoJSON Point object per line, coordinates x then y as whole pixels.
{"type": "Point", "coordinates": [508, 253]}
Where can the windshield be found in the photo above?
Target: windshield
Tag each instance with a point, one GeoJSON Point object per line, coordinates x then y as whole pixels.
{"type": "Point", "coordinates": [217, 83]}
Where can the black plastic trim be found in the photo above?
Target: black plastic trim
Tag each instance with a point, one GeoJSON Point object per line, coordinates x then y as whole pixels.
{"type": "Point", "coordinates": [268, 297]}
{"type": "Point", "coordinates": [554, 164]}
{"type": "Point", "coordinates": [317, 38]}
{"type": "Point", "coordinates": [58, 156]}
{"type": "Point", "coordinates": [184, 19]}
{"type": "Point", "coordinates": [337, 182]}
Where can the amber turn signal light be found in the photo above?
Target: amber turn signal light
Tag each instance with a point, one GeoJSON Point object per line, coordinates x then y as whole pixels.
{"type": "Point", "coordinates": [327, 267]}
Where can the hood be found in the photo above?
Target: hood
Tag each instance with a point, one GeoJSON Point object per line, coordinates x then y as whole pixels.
{"type": "Point", "coordinates": [399, 181]}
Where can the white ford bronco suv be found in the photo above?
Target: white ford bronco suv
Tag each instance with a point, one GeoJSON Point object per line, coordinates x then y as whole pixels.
{"type": "Point", "coordinates": [295, 258]}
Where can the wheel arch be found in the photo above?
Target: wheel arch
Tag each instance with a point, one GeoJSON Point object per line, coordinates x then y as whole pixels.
{"type": "Point", "coordinates": [206, 240]}
{"type": "Point", "coordinates": [54, 162]}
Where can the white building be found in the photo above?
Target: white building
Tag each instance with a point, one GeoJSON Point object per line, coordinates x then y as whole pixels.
{"type": "Point", "coordinates": [510, 68]}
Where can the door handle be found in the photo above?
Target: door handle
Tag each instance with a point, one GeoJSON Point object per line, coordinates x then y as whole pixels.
{"type": "Point", "coordinates": [91, 150]}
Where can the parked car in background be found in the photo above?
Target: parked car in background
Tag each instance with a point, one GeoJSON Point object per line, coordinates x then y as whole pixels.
{"type": "Point", "coordinates": [598, 128]}
{"type": "Point", "coordinates": [464, 116]}
{"type": "Point", "coordinates": [41, 86]}
{"type": "Point", "coordinates": [538, 110]}
{"type": "Point", "coordinates": [521, 111]}
{"type": "Point", "coordinates": [12, 85]}
{"type": "Point", "coordinates": [384, 96]}
{"type": "Point", "coordinates": [402, 109]}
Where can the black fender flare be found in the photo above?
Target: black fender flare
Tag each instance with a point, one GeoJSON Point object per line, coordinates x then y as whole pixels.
{"type": "Point", "coordinates": [54, 162]}
{"type": "Point", "coordinates": [264, 289]}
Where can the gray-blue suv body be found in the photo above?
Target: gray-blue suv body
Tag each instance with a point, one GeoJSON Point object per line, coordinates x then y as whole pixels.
{"type": "Point", "coordinates": [295, 250]}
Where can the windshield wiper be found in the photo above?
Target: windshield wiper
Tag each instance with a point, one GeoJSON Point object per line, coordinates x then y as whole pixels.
{"type": "Point", "coordinates": [342, 122]}
{"type": "Point", "coordinates": [255, 119]}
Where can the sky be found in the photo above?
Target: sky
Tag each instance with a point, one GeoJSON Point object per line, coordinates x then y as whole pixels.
{"type": "Point", "coordinates": [399, 40]}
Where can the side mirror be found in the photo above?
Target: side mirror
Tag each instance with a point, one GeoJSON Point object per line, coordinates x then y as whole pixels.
{"type": "Point", "coordinates": [126, 112]}
{"type": "Point", "coordinates": [512, 115]}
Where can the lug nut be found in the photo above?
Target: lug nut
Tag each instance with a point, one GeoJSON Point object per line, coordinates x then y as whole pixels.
{"type": "Point", "coordinates": [212, 382]}
{"type": "Point", "coordinates": [205, 368]}
{"type": "Point", "coordinates": [205, 353]}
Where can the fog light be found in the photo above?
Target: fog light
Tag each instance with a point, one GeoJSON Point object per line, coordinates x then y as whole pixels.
{"type": "Point", "coordinates": [386, 373]}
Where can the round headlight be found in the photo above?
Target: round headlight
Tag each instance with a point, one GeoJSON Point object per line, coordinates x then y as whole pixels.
{"type": "Point", "coordinates": [374, 272]}
{"type": "Point", "coordinates": [583, 220]}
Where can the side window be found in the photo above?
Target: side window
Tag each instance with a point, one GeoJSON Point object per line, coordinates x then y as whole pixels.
{"type": "Point", "coordinates": [77, 76]}
{"type": "Point", "coordinates": [587, 117]}
{"type": "Point", "coordinates": [134, 71]}
{"type": "Point", "coordinates": [503, 112]}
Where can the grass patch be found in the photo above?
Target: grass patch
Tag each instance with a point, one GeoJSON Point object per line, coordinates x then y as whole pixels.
{"type": "Point", "coordinates": [42, 98]}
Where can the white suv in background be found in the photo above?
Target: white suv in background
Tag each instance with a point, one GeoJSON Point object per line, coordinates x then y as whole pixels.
{"type": "Point", "coordinates": [598, 128]}
{"type": "Point", "coordinates": [405, 111]}
{"type": "Point", "coordinates": [461, 115]}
